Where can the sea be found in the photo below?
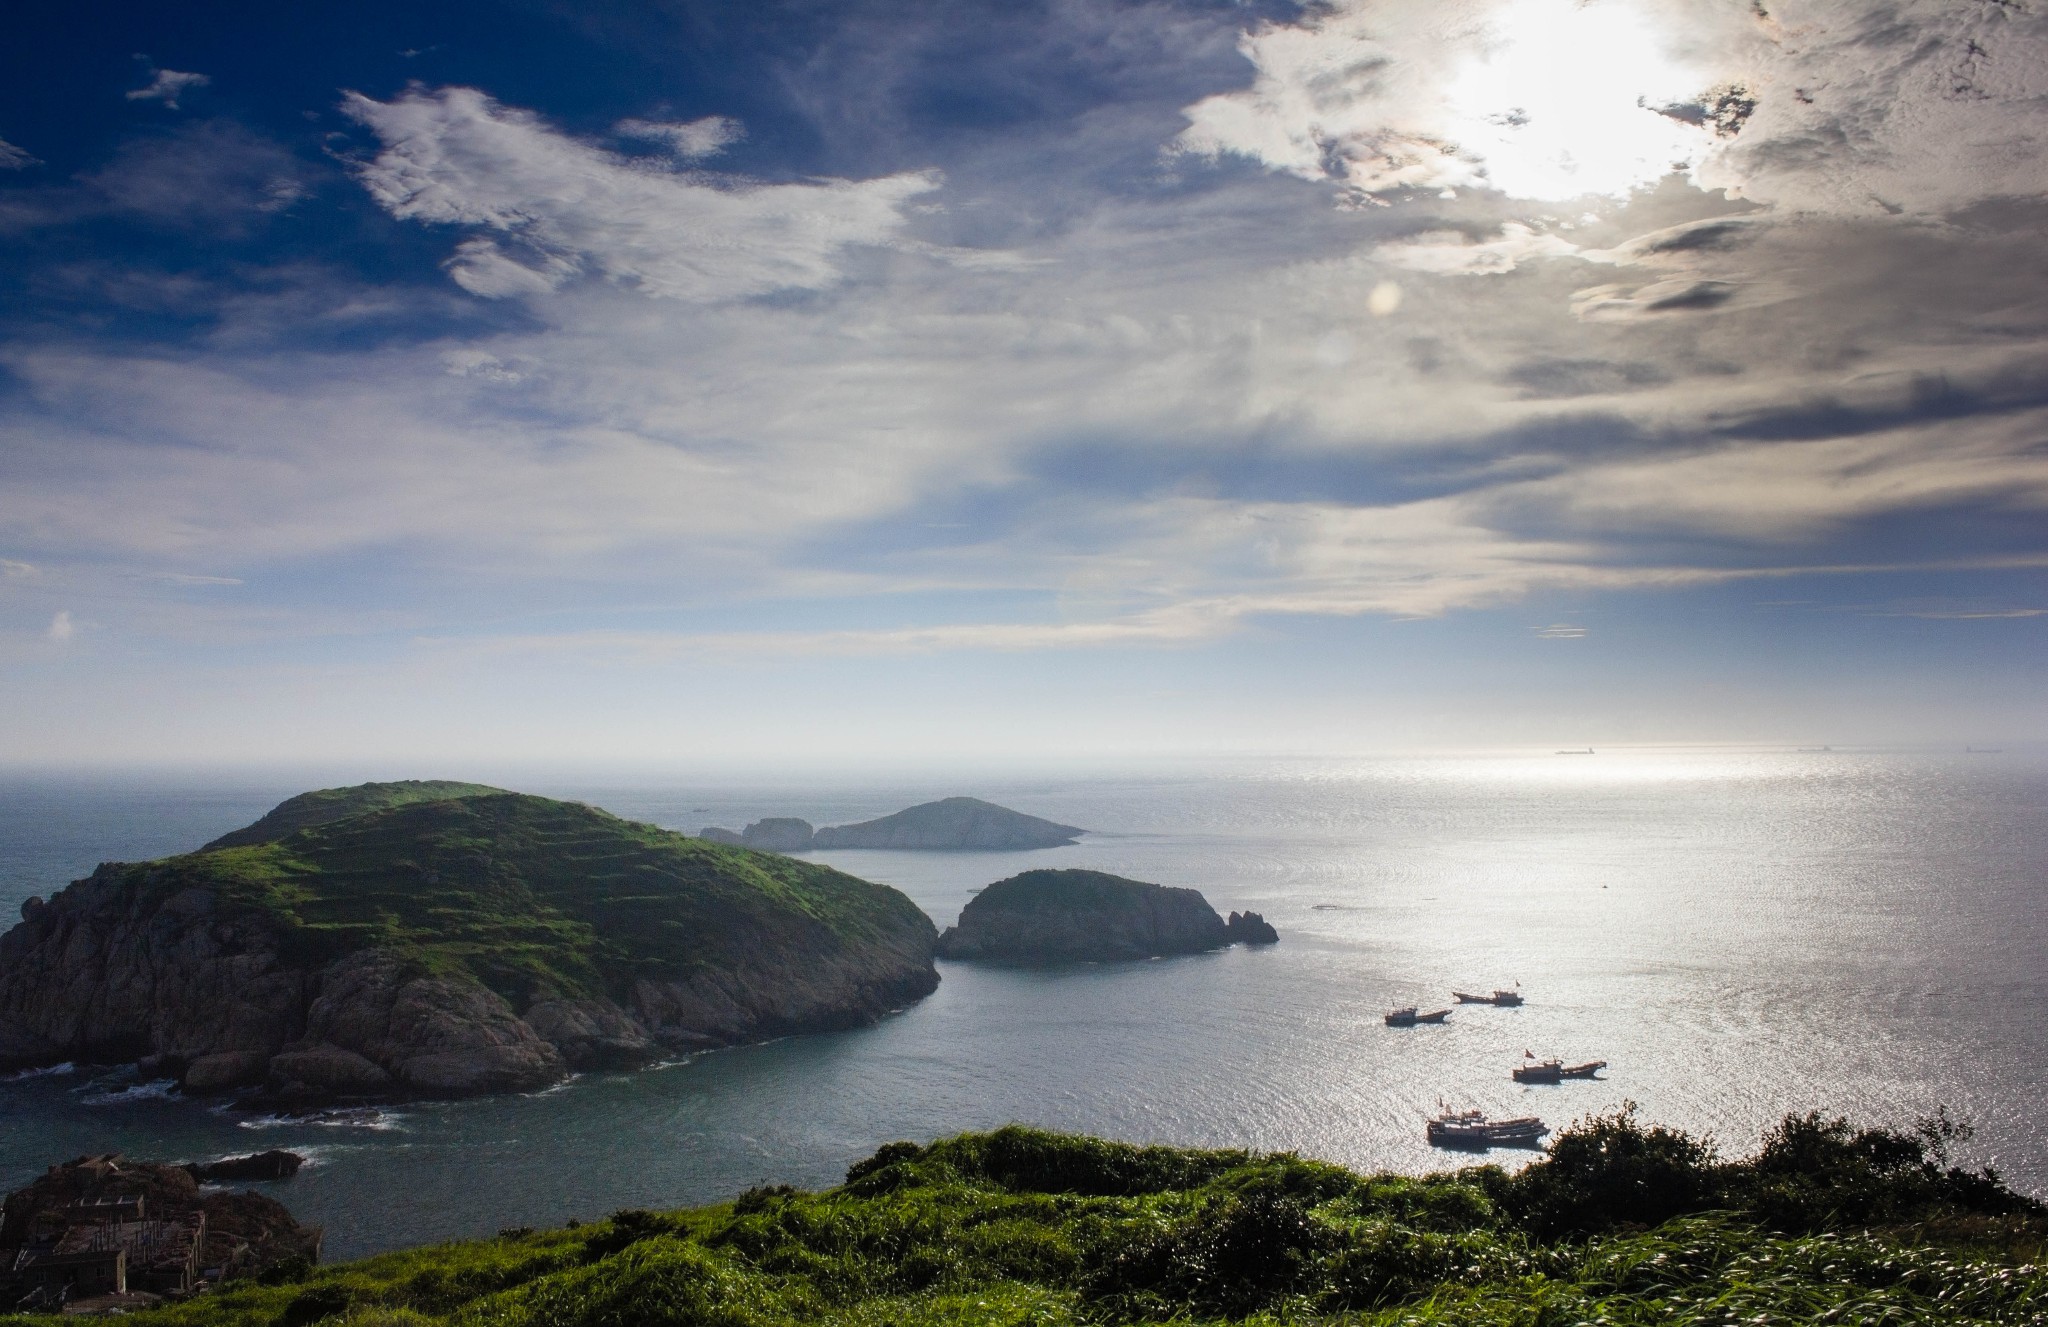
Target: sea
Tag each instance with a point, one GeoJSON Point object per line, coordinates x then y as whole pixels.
{"type": "Point", "coordinates": [1738, 933]}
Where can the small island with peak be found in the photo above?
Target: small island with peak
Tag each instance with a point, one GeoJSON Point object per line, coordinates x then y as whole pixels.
{"type": "Point", "coordinates": [950, 824]}
{"type": "Point", "coordinates": [1049, 917]}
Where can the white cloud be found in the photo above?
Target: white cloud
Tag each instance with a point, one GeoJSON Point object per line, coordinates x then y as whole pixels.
{"type": "Point", "coordinates": [168, 86]}
{"type": "Point", "coordinates": [14, 158]}
{"type": "Point", "coordinates": [61, 627]}
{"type": "Point", "coordinates": [564, 207]}
{"type": "Point", "coordinates": [691, 140]}
{"type": "Point", "coordinates": [1840, 106]}
{"type": "Point", "coordinates": [1448, 253]}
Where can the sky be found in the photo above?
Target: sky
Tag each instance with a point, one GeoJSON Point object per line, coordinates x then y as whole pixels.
{"type": "Point", "coordinates": [686, 381]}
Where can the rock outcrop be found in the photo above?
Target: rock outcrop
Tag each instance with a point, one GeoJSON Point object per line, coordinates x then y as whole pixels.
{"type": "Point", "coordinates": [256, 1168]}
{"type": "Point", "coordinates": [1249, 928]}
{"type": "Point", "coordinates": [1044, 917]}
{"type": "Point", "coordinates": [488, 942]}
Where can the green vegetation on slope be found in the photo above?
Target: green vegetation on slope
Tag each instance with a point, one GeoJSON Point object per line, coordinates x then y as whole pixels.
{"type": "Point", "coordinates": [531, 896]}
{"type": "Point", "coordinates": [1620, 1225]}
{"type": "Point", "coordinates": [327, 805]}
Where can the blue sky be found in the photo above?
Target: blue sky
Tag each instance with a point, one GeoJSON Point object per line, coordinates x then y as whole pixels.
{"type": "Point", "coordinates": [687, 382]}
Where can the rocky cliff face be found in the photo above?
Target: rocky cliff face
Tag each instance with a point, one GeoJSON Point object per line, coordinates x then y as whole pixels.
{"type": "Point", "coordinates": [232, 988]}
{"type": "Point", "coordinates": [1079, 916]}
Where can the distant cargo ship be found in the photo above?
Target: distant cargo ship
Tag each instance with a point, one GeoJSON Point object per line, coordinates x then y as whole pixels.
{"type": "Point", "coordinates": [1498, 997]}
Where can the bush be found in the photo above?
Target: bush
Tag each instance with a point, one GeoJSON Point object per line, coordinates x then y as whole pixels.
{"type": "Point", "coordinates": [1610, 1171]}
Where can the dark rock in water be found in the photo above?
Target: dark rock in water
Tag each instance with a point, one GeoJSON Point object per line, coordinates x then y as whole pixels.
{"type": "Point", "coordinates": [956, 823]}
{"type": "Point", "coordinates": [440, 944]}
{"type": "Point", "coordinates": [1076, 916]}
{"type": "Point", "coordinates": [255, 1168]}
{"type": "Point", "coordinates": [1249, 928]}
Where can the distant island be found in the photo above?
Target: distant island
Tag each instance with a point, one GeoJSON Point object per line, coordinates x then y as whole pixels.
{"type": "Point", "coordinates": [1623, 1222]}
{"type": "Point", "coordinates": [1090, 916]}
{"type": "Point", "coordinates": [437, 939]}
{"type": "Point", "coordinates": [953, 823]}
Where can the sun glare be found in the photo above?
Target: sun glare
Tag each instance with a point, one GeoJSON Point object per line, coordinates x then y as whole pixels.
{"type": "Point", "coordinates": [1557, 102]}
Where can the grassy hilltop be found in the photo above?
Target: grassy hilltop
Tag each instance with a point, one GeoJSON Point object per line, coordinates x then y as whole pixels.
{"type": "Point", "coordinates": [524, 893]}
{"type": "Point", "coordinates": [1620, 1225]}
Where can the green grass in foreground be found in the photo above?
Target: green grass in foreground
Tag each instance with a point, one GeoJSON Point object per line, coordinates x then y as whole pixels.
{"type": "Point", "coordinates": [1622, 1224]}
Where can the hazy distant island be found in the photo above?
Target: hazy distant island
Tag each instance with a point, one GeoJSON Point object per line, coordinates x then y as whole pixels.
{"type": "Point", "coordinates": [953, 823]}
{"type": "Point", "coordinates": [1622, 1222]}
{"type": "Point", "coordinates": [1043, 917]}
{"type": "Point", "coordinates": [443, 939]}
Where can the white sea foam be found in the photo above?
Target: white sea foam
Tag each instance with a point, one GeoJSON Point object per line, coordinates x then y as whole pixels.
{"type": "Point", "coordinates": [159, 1089]}
{"type": "Point", "coordinates": [344, 1117]}
{"type": "Point", "coordinates": [48, 1071]}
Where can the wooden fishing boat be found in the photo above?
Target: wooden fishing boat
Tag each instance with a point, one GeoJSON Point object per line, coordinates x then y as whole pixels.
{"type": "Point", "coordinates": [1471, 1129]}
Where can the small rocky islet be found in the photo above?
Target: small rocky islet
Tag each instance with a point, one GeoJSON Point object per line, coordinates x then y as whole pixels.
{"type": "Point", "coordinates": [1049, 917]}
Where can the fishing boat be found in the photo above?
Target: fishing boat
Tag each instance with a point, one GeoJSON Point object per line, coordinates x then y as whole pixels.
{"type": "Point", "coordinates": [1408, 1017]}
{"type": "Point", "coordinates": [1471, 1128]}
{"type": "Point", "coordinates": [1503, 998]}
{"type": "Point", "coordinates": [1555, 1071]}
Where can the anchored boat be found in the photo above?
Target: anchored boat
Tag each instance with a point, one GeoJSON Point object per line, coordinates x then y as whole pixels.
{"type": "Point", "coordinates": [1408, 1017]}
{"type": "Point", "coordinates": [1498, 997]}
{"type": "Point", "coordinates": [1556, 1071]}
{"type": "Point", "coordinates": [1471, 1128]}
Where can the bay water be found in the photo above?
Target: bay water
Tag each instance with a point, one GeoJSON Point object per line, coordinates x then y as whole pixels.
{"type": "Point", "coordinates": [1738, 933]}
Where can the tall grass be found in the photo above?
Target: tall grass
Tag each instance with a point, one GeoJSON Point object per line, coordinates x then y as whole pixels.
{"type": "Point", "coordinates": [1623, 1224]}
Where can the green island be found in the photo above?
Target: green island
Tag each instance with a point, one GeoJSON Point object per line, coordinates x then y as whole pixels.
{"type": "Point", "coordinates": [445, 939]}
{"type": "Point", "coordinates": [1621, 1224]}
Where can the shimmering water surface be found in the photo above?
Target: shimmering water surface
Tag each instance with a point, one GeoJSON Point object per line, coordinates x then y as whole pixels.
{"type": "Point", "coordinates": [1738, 934]}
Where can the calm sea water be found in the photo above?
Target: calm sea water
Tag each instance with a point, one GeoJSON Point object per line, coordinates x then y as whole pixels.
{"type": "Point", "coordinates": [1738, 934]}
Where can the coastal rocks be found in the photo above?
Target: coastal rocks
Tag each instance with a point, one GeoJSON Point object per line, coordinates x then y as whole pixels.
{"type": "Point", "coordinates": [437, 1035]}
{"type": "Point", "coordinates": [256, 1168]}
{"type": "Point", "coordinates": [1249, 928]}
{"type": "Point", "coordinates": [1043, 917]}
{"type": "Point", "coordinates": [954, 823]}
{"type": "Point", "coordinates": [591, 1034]}
{"type": "Point", "coordinates": [223, 1070]}
{"type": "Point", "coordinates": [126, 964]}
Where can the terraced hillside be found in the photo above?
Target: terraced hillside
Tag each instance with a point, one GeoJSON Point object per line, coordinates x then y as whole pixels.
{"type": "Point", "coordinates": [483, 941]}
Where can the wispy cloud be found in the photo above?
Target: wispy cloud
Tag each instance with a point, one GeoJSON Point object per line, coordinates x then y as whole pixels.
{"type": "Point", "coordinates": [61, 627]}
{"type": "Point", "coordinates": [692, 140]}
{"type": "Point", "coordinates": [563, 208]}
{"type": "Point", "coordinates": [168, 85]}
{"type": "Point", "coordinates": [14, 158]}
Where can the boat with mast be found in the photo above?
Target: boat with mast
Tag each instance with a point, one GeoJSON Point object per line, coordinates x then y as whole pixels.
{"type": "Point", "coordinates": [1471, 1129]}
{"type": "Point", "coordinates": [1407, 1016]}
